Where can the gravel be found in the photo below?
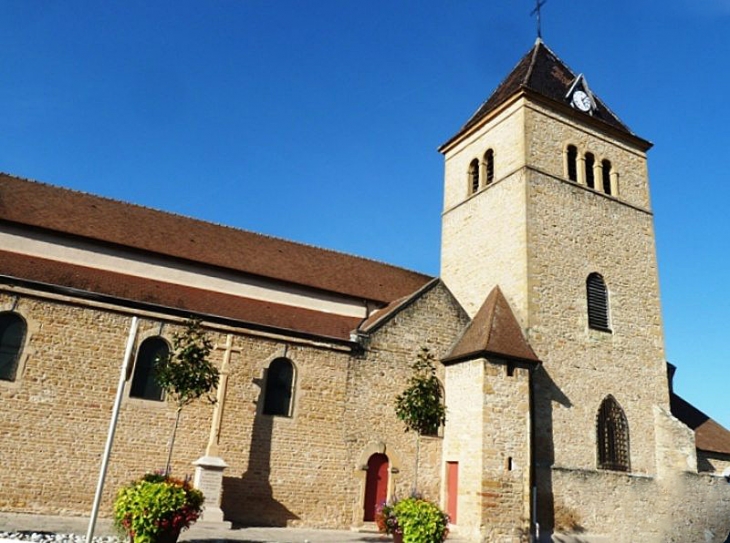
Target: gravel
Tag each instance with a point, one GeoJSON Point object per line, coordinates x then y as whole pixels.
{"type": "Point", "coordinates": [52, 537]}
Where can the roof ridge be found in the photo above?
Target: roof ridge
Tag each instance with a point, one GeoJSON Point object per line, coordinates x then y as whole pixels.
{"type": "Point", "coordinates": [209, 222]}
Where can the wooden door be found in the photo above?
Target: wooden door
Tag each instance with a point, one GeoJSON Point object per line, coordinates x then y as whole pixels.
{"type": "Point", "coordinates": [452, 489]}
{"type": "Point", "coordinates": [376, 485]}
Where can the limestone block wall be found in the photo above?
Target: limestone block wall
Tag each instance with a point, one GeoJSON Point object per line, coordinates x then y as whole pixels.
{"type": "Point", "coordinates": [464, 439]}
{"type": "Point", "coordinates": [689, 508]}
{"type": "Point", "coordinates": [55, 416]}
{"type": "Point", "coordinates": [490, 440]}
{"type": "Point", "coordinates": [504, 136]}
{"type": "Point", "coordinates": [286, 471]}
{"type": "Point", "coordinates": [378, 376]}
{"type": "Point", "coordinates": [506, 452]}
{"type": "Point", "coordinates": [483, 236]}
{"type": "Point", "coordinates": [548, 133]}
{"type": "Point", "coordinates": [573, 232]}
{"type": "Point", "coordinates": [485, 244]}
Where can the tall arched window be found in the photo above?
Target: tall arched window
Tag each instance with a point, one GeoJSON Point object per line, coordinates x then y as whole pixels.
{"type": "Point", "coordinates": [489, 166]}
{"type": "Point", "coordinates": [12, 337]}
{"type": "Point", "coordinates": [144, 384]}
{"type": "Point", "coordinates": [612, 436]}
{"type": "Point", "coordinates": [279, 388]}
{"type": "Point", "coordinates": [572, 162]}
{"type": "Point", "coordinates": [597, 297]}
{"type": "Point", "coordinates": [474, 176]}
{"type": "Point", "coordinates": [606, 174]}
{"type": "Point", "coordinates": [590, 160]}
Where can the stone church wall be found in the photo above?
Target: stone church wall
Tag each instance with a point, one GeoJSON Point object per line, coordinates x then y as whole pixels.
{"type": "Point", "coordinates": [688, 508]}
{"type": "Point", "coordinates": [380, 374]}
{"type": "Point", "coordinates": [298, 470]}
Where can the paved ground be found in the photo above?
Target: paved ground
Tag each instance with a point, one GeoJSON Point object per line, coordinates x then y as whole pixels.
{"type": "Point", "coordinates": [199, 532]}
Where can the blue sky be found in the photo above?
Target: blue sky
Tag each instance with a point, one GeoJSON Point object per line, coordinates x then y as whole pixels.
{"type": "Point", "coordinates": [318, 121]}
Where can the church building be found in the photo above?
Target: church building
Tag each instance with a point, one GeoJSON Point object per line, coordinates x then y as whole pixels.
{"type": "Point", "coordinates": [561, 420]}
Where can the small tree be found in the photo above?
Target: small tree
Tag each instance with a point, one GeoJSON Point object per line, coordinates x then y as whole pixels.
{"type": "Point", "coordinates": [186, 374]}
{"type": "Point", "coordinates": [420, 405]}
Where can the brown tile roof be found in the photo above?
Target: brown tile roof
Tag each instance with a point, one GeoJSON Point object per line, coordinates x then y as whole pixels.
{"type": "Point", "coordinates": [493, 331]}
{"type": "Point", "coordinates": [109, 221]}
{"type": "Point", "coordinates": [709, 435]}
{"type": "Point", "coordinates": [167, 297]}
{"type": "Point", "coordinates": [542, 72]}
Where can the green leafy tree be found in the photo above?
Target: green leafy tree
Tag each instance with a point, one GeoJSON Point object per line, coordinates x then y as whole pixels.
{"type": "Point", "coordinates": [186, 374]}
{"type": "Point", "coordinates": [420, 406]}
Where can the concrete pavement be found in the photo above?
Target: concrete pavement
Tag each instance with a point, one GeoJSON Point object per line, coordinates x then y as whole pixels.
{"type": "Point", "coordinates": [199, 531]}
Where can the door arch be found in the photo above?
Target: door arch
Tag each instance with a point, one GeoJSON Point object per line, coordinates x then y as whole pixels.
{"type": "Point", "coordinates": [376, 485]}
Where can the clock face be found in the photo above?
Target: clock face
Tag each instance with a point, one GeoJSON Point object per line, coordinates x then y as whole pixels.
{"type": "Point", "coordinates": [581, 101]}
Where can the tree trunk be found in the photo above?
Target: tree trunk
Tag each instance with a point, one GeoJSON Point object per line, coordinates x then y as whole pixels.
{"type": "Point", "coordinates": [415, 470]}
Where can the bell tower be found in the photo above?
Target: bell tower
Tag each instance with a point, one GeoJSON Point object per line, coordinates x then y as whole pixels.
{"type": "Point", "coordinates": [546, 196]}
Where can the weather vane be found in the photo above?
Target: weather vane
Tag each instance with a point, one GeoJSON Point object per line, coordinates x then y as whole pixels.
{"type": "Point", "coordinates": [538, 5]}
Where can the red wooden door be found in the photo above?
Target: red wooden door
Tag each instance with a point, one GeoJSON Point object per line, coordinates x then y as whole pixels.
{"type": "Point", "coordinates": [452, 489]}
{"type": "Point", "coordinates": [376, 485]}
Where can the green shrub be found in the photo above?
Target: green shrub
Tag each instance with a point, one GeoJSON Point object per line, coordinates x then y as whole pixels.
{"type": "Point", "coordinates": [421, 521]}
{"type": "Point", "coordinates": [154, 505]}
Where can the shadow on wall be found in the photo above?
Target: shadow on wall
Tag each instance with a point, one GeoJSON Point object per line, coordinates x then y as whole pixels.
{"type": "Point", "coordinates": [546, 392]}
{"type": "Point", "coordinates": [248, 500]}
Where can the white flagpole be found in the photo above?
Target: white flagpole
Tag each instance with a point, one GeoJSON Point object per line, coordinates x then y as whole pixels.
{"type": "Point", "coordinates": [112, 428]}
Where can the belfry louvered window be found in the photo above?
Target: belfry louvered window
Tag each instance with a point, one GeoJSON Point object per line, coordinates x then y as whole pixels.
{"type": "Point", "coordinates": [612, 435]}
{"type": "Point", "coordinates": [597, 295]}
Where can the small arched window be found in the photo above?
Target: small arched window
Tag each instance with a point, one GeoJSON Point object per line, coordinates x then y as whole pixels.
{"type": "Point", "coordinates": [597, 297]}
{"type": "Point", "coordinates": [572, 162]}
{"type": "Point", "coordinates": [12, 337]}
{"type": "Point", "coordinates": [489, 166]}
{"type": "Point", "coordinates": [612, 436]}
{"type": "Point", "coordinates": [606, 174]}
{"type": "Point", "coordinates": [590, 178]}
{"type": "Point", "coordinates": [144, 385]}
{"type": "Point", "coordinates": [473, 176]}
{"type": "Point", "coordinates": [279, 388]}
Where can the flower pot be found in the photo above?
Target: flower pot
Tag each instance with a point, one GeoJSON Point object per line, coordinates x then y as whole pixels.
{"type": "Point", "coordinates": [168, 536]}
{"type": "Point", "coordinates": [397, 537]}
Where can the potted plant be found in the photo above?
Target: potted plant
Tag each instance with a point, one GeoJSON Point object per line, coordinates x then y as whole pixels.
{"type": "Point", "coordinates": [156, 508]}
{"type": "Point", "coordinates": [420, 521]}
{"type": "Point", "coordinates": [386, 521]}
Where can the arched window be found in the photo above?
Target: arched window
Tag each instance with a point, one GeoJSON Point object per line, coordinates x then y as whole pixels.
{"type": "Point", "coordinates": [572, 162]}
{"type": "Point", "coordinates": [612, 436]}
{"type": "Point", "coordinates": [606, 174]}
{"type": "Point", "coordinates": [489, 166]}
{"type": "Point", "coordinates": [590, 179]}
{"type": "Point", "coordinates": [474, 176]}
{"type": "Point", "coordinates": [144, 384]}
{"type": "Point", "coordinates": [12, 337]}
{"type": "Point", "coordinates": [597, 296]}
{"type": "Point", "coordinates": [279, 388]}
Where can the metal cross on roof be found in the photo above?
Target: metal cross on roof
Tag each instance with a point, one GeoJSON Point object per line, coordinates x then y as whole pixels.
{"type": "Point", "coordinates": [538, 5]}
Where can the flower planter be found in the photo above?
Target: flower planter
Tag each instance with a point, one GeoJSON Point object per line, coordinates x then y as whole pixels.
{"type": "Point", "coordinates": [397, 537]}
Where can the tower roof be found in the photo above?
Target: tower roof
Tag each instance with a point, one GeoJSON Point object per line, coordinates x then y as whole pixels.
{"type": "Point", "coordinates": [540, 71]}
{"type": "Point", "coordinates": [494, 330]}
